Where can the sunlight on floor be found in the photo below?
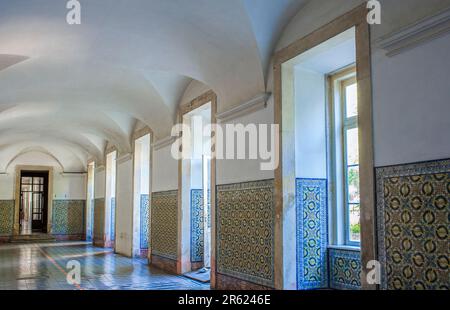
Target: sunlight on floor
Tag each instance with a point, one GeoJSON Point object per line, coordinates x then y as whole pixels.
{"type": "Point", "coordinates": [43, 267]}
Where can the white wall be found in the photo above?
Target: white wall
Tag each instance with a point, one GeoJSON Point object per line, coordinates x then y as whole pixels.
{"type": "Point", "coordinates": [228, 171]}
{"type": "Point", "coordinates": [234, 171]}
{"type": "Point", "coordinates": [310, 133]}
{"type": "Point", "coordinates": [124, 207]}
{"type": "Point", "coordinates": [69, 186]}
{"type": "Point", "coordinates": [410, 91]}
{"type": "Point", "coordinates": [165, 170]}
{"type": "Point", "coordinates": [7, 186]}
{"type": "Point", "coordinates": [65, 186]}
{"type": "Point", "coordinates": [100, 182]}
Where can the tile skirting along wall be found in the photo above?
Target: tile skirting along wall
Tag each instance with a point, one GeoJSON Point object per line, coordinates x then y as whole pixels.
{"type": "Point", "coordinates": [345, 269]}
{"type": "Point", "coordinates": [6, 217]}
{"type": "Point", "coordinates": [245, 232]}
{"type": "Point", "coordinates": [68, 218]}
{"type": "Point", "coordinates": [112, 233]}
{"type": "Point", "coordinates": [197, 226]}
{"type": "Point", "coordinates": [413, 225]}
{"type": "Point", "coordinates": [312, 233]}
{"type": "Point", "coordinates": [99, 221]}
{"type": "Point", "coordinates": [164, 224]}
{"type": "Point", "coordinates": [144, 222]}
{"type": "Point", "coordinates": [164, 263]}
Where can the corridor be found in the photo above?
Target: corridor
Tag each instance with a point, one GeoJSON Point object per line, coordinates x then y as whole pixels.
{"type": "Point", "coordinates": [256, 145]}
{"type": "Point", "coordinates": [43, 267]}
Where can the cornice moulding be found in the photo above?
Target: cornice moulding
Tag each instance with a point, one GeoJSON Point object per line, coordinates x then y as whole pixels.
{"type": "Point", "coordinates": [415, 34]}
{"type": "Point", "coordinates": [163, 142]}
{"type": "Point", "coordinates": [100, 169]}
{"type": "Point", "coordinates": [71, 174]}
{"type": "Point", "coordinates": [124, 158]}
{"type": "Point", "coordinates": [257, 103]}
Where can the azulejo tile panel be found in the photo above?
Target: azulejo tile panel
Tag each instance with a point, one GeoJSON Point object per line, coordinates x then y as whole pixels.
{"type": "Point", "coordinates": [90, 230]}
{"type": "Point", "coordinates": [312, 234]}
{"type": "Point", "coordinates": [113, 219]}
{"type": "Point", "coordinates": [6, 217]}
{"type": "Point", "coordinates": [68, 217]}
{"type": "Point", "coordinates": [413, 225]}
{"type": "Point", "coordinates": [99, 219]}
{"type": "Point", "coordinates": [345, 269]}
{"type": "Point", "coordinates": [245, 231]}
{"type": "Point", "coordinates": [164, 224]}
{"type": "Point", "coordinates": [197, 229]}
{"type": "Point", "coordinates": [144, 224]}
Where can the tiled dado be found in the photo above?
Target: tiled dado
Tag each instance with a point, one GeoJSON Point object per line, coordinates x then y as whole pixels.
{"type": "Point", "coordinates": [6, 218]}
{"type": "Point", "coordinates": [112, 233]}
{"type": "Point", "coordinates": [245, 235]}
{"type": "Point", "coordinates": [345, 269]}
{"type": "Point", "coordinates": [144, 224]}
{"type": "Point", "coordinates": [413, 225]}
{"type": "Point", "coordinates": [99, 221]}
{"type": "Point", "coordinates": [164, 229]}
{"type": "Point", "coordinates": [68, 218]}
{"type": "Point", "coordinates": [312, 233]}
{"type": "Point", "coordinates": [197, 228]}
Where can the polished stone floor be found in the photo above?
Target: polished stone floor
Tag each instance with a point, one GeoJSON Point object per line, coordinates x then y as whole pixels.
{"type": "Point", "coordinates": [44, 267]}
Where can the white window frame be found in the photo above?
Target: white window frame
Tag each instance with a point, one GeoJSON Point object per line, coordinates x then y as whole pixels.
{"type": "Point", "coordinates": [348, 123]}
{"type": "Point", "coordinates": [338, 125]}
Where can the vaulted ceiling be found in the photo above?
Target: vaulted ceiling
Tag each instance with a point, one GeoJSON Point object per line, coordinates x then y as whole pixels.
{"type": "Point", "coordinates": [68, 89]}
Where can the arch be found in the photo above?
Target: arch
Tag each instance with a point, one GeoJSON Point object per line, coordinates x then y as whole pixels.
{"type": "Point", "coordinates": [31, 150]}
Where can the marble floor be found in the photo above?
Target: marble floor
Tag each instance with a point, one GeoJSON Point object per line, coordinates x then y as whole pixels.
{"type": "Point", "coordinates": [45, 267]}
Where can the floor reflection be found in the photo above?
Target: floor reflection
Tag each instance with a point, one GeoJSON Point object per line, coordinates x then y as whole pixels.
{"type": "Point", "coordinates": [43, 267]}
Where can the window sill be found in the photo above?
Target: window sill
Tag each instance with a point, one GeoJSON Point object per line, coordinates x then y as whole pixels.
{"type": "Point", "coordinates": [345, 247]}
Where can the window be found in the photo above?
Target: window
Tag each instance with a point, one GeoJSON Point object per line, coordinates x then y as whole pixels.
{"type": "Point", "coordinates": [111, 195]}
{"type": "Point", "coordinates": [351, 160]}
{"type": "Point", "coordinates": [90, 201]}
{"type": "Point", "coordinates": [346, 157]}
{"type": "Point", "coordinates": [141, 192]}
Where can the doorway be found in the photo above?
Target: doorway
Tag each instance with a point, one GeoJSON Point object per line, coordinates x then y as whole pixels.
{"type": "Point", "coordinates": [141, 196]}
{"type": "Point", "coordinates": [197, 189]}
{"type": "Point", "coordinates": [90, 202]}
{"type": "Point", "coordinates": [110, 199]}
{"type": "Point", "coordinates": [339, 177]}
{"type": "Point", "coordinates": [33, 212]}
{"type": "Point", "coordinates": [198, 185]}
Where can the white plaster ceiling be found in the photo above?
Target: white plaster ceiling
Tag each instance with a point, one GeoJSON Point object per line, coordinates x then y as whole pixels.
{"type": "Point", "coordinates": [68, 89]}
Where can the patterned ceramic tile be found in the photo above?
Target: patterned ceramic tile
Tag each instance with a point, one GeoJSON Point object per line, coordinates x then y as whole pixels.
{"type": "Point", "coordinates": [90, 228]}
{"type": "Point", "coordinates": [68, 217]}
{"type": "Point", "coordinates": [113, 219]}
{"type": "Point", "coordinates": [345, 269]}
{"type": "Point", "coordinates": [312, 235]}
{"type": "Point", "coordinates": [6, 217]}
{"type": "Point", "coordinates": [164, 224]}
{"type": "Point", "coordinates": [99, 219]}
{"type": "Point", "coordinates": [413, 203]}
{"type": "Point", "coordinates": [197, 225]}
{"type": "Point", "coordinates": [144, 224]}
{"type": "Point", "coordinates": [245, 231]}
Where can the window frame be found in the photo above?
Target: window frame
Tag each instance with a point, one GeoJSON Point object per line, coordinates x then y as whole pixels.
{"type": "Point", "coordinates": [337, 143]}
{"type": "Point", "coordinates": [347, 124]}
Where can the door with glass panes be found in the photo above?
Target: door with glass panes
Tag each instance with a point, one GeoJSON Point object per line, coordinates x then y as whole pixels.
{"type": "Point", "coordinates": [33, 202]}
